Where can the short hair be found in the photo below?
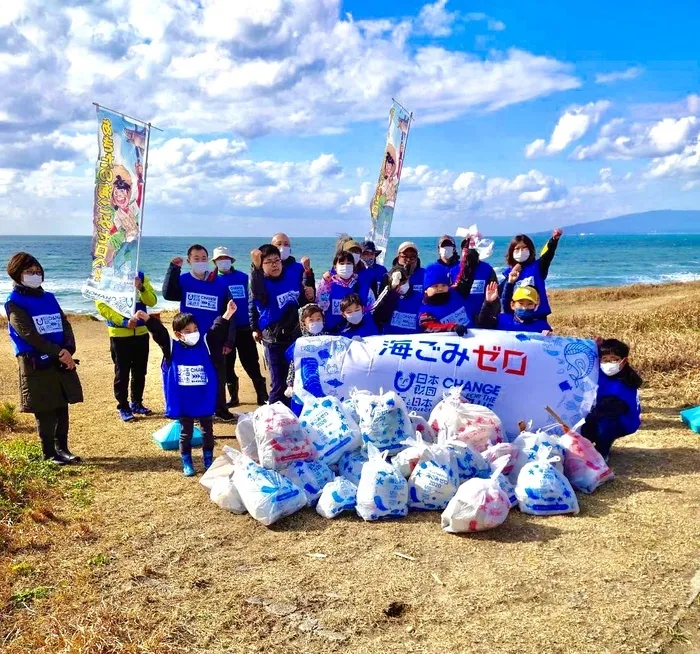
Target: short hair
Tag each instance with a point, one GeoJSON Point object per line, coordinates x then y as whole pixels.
{"type": "Point", "coordinates": [344, 257]}
{"type": "Point", "coordinates": [613, 346]}
{"type": "Point", "coordinates": [194, 247]}
{"type": "Point", "coordinates": [268, 249]}
{"type": "Point", "coordinates": [520, 239]}
{"type": "Point", "coordinates": [19, 262]}
{"type": "Point", "coordinates": [181, 320]}
{"type": "Point", "coordinates": [349, 300]}
{"type": "Point", "coordinates": [308, 311]}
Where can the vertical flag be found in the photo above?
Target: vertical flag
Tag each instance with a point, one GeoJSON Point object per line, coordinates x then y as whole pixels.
{"type": "Point", "coordinates": [119, 196]}
{"type": "Point", "coordinates": [381, 207]}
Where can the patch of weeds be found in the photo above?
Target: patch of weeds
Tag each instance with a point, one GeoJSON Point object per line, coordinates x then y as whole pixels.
{"type": "Point", "coordinates": [8, 416]}
{"type": "Point", "coordinates": [100, 559]}
{"type": "Point", "coordinates": [23, 569]}
{"type": "Point", "coordinates": [29, 595]}
{"type": "Point", "coordinates": [81, 493]}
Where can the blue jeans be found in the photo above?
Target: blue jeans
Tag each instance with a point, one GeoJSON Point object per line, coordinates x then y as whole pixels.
{"type": "Point", "coordinates": [276, 354]}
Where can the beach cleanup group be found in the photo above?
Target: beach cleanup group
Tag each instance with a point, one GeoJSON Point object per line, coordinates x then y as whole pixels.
{"type": "Point", "coordinates": [225, 313]}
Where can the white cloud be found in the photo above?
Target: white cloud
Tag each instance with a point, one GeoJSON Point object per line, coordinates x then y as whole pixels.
{"type": "Point", "coordinates": [684, 164]}
{"type": "Point", "coordinates": [361, 200]}
{"type": "Point", "coordinates": [572, 125]}
{"type": "Point", "coordinates": [435, 20]}
{"type": "Point", "coordinates": [496, 25]}
{"type": "Point", "coordinates": [627, 74]}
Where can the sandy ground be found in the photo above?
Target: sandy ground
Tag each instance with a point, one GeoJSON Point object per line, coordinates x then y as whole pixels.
{"type": "Point", "coordinates": [190, 577]}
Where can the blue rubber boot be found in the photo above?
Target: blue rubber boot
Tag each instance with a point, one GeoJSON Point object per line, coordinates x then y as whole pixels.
{"type": "Point", "coordinates": [187, 465]}
{"type": "Point", "coordinates": [208, 456]}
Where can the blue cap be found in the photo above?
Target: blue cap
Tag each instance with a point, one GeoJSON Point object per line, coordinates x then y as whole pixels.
{"type": "Point", "coordinates": [435, 274]}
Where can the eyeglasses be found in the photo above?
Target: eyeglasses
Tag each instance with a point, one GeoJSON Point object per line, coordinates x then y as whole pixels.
{"type": "Point", "coordinates": [32, 271]}
{"type": "Point", "coordinates": [272, 262]}
{"type": "Point", "coordinates": [408, 257]}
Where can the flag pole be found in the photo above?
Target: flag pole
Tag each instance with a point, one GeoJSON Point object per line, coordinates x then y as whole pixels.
{"type": "Point", "coordinates": [143, 204]}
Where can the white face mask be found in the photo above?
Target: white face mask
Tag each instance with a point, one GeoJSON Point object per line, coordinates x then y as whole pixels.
{"type": "Point", "coordinates": [32, 281]}
{"type": "Point", "coordinates": [315, 328]}
{"type": "Point", "coordinates": [191, 339]}
{"type": "Point", "coordinates": [446, 252]}
{"type": "Point", "coordinates": [354, 318]}
{"type": "Point", "coordinates": [403, 289]}
{"type": "Point", "coordinates": [356, 257]}
{"type": "Point", "coordinates": [199, 267]}
{"type": "Point", "coordinates": [224, 265]}
{"type": "Point", "coordinates": [521, 256]}
{"type": "Point", "coordinates": [345, 270]}
{"type": "Point", "coordinates": [285, 251]}
{"type": "Point", "coordinates": [610, 369]}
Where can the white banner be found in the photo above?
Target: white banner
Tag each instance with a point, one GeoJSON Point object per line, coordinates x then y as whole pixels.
{"type": "Point", "coordinates": [516, 375]}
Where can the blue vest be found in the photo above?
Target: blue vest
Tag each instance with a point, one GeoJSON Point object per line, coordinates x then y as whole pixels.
{"type": "Point", "coordinates": [628, 423]}
{"type": "Point", "coordinates": [404, 319]}
{"type": "Point", "coordinates": [477, 294]}
{"type": "Point", "coordinates": [281, 293]}
{"type": "Point", "coordinates": [139, 306]}
{"type": "Point", "coordinates": [203, 299]}
{"type": "Point", "coordinates": [294, 270]}
{"type": "Point", "coordinates": [333, 316]}
{"type": "Point", "coordinates": [366, 328]}
{"type": "Point", "coordinates": [190, 381]}
{"type": "Point", "coordinates": [236, 282]}
{"type": "Point", "coordinates": [454, 310]}
{"type": "Point", "coordinates": [46, 315]}
{"type": "Point", "coordinates": [508, 323]}
{"type": "Point", "coordinates": [531, 276]}
{"type": "Point", "coordinates": [375, 275]}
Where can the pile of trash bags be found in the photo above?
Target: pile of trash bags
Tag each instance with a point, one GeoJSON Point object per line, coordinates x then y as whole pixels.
{"type": "Point", "coordinates": [370, 456]}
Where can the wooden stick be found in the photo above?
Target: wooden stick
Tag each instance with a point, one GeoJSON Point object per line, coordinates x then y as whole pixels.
{"type": "Point", "coordinates": [554, 415]}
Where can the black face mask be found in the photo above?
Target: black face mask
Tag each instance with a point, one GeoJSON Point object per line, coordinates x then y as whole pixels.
{"type": "Point", "coordinates": [437, 299]}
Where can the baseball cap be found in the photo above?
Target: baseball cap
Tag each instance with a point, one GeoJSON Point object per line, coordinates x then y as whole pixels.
{"type": "Point", "coordinates": [349, 245]}
{"type": "Point", "coordinates": [407, 245]}
{"type": "Point", "coordinates": [526, 293]}
{"type": "Point", "coordinates": [445, 237]}
{"type": "Point", "coordinates": [221, 251]}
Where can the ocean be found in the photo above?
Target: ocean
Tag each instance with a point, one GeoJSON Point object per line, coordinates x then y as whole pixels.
{"type": "Point", "coordinates": [581, 260]}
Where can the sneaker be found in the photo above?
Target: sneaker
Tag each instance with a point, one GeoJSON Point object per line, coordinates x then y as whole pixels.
{"type": "Point", "coordinates": [138, 409]}
{"type": "Point", "coordinates": [187, 465]}
{"type": "Point", "coordinates": [226, 416]}
{"type": "Point", "coordinates": [126, 415]}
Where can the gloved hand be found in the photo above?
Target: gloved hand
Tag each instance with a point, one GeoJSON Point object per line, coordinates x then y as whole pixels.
{"type": "Point", "coordinates": [289, 392]}
{"type": "Point", "coordinates": [460, 330]}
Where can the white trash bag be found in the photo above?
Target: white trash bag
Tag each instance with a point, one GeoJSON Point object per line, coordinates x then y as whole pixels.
{"type": "Point", "coordinates": [225, 494]}
{"type": "Point", "coordinates": [384, 420]}
{"type": "Point", "coordinates": [470, 463]}
{"type": "Point", "coordinates": [331, 429]}
{"type": "Point", "coordinates": [245, 434]}
{"type": "Point", "coordinates": [407, 459]}
{"type": "Point", "coordinates": [542, 489]}
{"type": "Point", "coordinates": [310, 476]}
{"type": "Point", "coordinates": [267, 495]}
{"type": "Point", "coordinates": [584, 466]}
{"type": "Point", "coordinates": [528, 445]}
{"type": "Point", "coordinates": [351, 409]}
{"type": "Point", "coordinates": [479, 504]}
{"type": "Point", "coordinates": [421, 425]}
{"type": "Point", "coordinates": [434, 480]}
{"type": "Point", "coordinates": [220, 469]}
{"type": "Point", "coordinates": [469, 423]}
{"type": "Point", "coordinates": [494, 452]}
{"type": "Point", "coordinates": [279, 437]}
{"type": "Point", "coordinates": [350, 465]}
{"type": "Point", "coordinates": [338, 495]}
{"type": "Point", "coordinates": [508, 488]}
{"type": "Point", "coordinates": [382, 492]}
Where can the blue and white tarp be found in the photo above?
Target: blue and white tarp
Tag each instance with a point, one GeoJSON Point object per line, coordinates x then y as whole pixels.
{"type": "Point", "coordinates": [516, 375]}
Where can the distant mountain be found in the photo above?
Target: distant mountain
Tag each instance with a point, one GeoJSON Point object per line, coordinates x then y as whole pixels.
{"type": "Point", "coordinates": [649, 222]}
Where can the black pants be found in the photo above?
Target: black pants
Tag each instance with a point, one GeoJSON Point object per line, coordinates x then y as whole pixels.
{"type": "Point", "coordinates": [207, 427]}
{"type": "Point", "coordinates": [52, 427]}
{"type": "Point", "coordinates": [248, 352]}
{"type": "Point", "coordinates": [130, 356]}
{"type": "Point", "coordinates": [278, 364]}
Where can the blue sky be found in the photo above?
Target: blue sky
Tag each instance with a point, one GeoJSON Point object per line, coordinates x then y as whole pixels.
{"type": "Point", "coordinates": [527, 116]}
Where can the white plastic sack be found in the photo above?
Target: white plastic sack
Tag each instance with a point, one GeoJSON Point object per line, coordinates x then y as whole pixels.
{"type": "Point", "coordinates": [350, 409]}
{"type": "Point", "coordinates": [267, 495]}
{"type": "Point", "coordinates": [494, 452]}
{"type": "Point", "coordinates": [542, 489]}
{"type": "Point", "coordinates": [584, 466]}
{"type": "Point", "coordinates": [421, 425]}
{"type": "Point", "coordinates": [225, 494]}
{"type": "Point", "coordinates": [470, 463]}
{"type": "Point", "coordinates": [310, 476]}
{"type": "Point", "coordinates": [245, 434]}
{"type": "Point", "coordinates": [338, 495]}
{"type": "Point", "coordinates": [507, 488]}
{"type": "Point", "coordinates": [384, 420]}
{"type": "Point", "coordinates": [528, 445]}
{"type": "Point", "coordinates": [350, 465]}
{"type": "Point", "coordinates": [221, 468]}
{"type": "Point", "coordinates": [382, 492]}
{"type": "Point", "coordinates": [479, 504]}
{"type": "Point", "coordinates": [279, 437]}
{"type": "Point", "coordinates": [331, 430]}
{"type": "Point", "coordinates": [407, 459]}
{"type": "Point", "coordinates": [470, 423]}
{"type": "Point", "coordinates": [434, 480]}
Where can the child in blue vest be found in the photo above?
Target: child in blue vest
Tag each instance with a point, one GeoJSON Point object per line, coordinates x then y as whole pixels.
{"type": "Point", "coordinates": [617, 411]}
{"type": "Point", "coordinates": [445, 310]}
{"type": "Point", "coordinates": [470, 276]}
{"type": "Point", "coordinates": [531, 271]}
{"type": "Point", "coordinates": [356, 321]}
{"type": "Point", "coordinates": [520, 311]}
{"type": "Point", "coordinates": [341, 283]}
{"type": "Point", "coordinates": [189, 377]}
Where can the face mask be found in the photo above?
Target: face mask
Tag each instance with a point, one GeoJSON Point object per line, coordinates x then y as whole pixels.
{"type": "Point", "coordinates": [315, 328]}
{"type": "Point", "coordinates": [356, 257]}
{"type": "Point", "coordinates": [437, 298]}
{"type": "Point", "coordinates": [368, 262]}
{"type": "Point", "coordinates": [32, 281]}
{"type": "Point", "coordinates": [525, 315]}
{"type": "Point", "coordinates": [446, 252]}
{"type": "Point", "coordinates": [191, 339]}
{"type": "Point", "coordinates": [521, 256]}
{"type": "Point", "coordinates": [610, 369]}
{"type": "Point", "coordinates": [224, 266]}
{"type": "Point", "coordinates": [199, 267]}
{"type": "Point", "coordinates": [285, 251]}
{"type": "Point", "coordinates": [403, 289]}
{"type": "Point", "coordinates": [345, 270]}
{"type": "Point", "coordinates": [354, 318]}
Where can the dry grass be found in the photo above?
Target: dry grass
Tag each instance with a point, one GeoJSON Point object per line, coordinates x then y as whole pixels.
{"type": "Point", "coordinates": [158, 568]}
